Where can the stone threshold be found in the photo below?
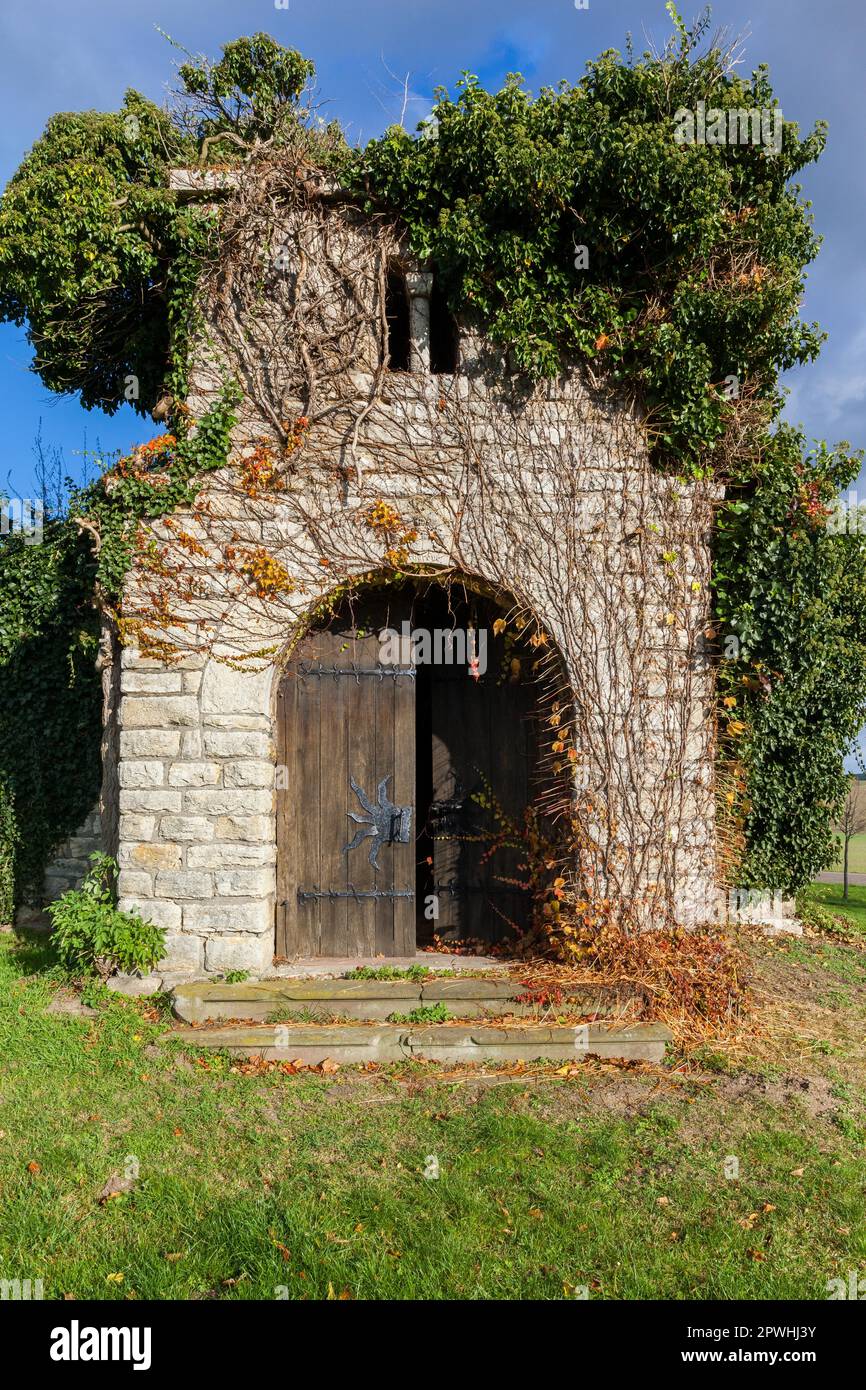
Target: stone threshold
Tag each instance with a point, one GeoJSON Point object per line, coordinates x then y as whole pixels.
{"type": "Point", "coordinates": [333, 967]}
{"type": "Point", "coordinates": [350, 1044]}
{"type": "Point", "coordinates": [469, 997]}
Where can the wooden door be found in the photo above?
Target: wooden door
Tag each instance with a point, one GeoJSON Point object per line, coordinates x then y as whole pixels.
{"type": "Point", "coordinates": [346, 813]}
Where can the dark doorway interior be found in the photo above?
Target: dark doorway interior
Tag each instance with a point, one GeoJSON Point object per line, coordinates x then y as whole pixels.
{"type": "Point", "coordinates": [397, 318]}
{"type": "Point", "coordinates": [443, 333]}
{"type": "Point", "coordinates": [476, 771]}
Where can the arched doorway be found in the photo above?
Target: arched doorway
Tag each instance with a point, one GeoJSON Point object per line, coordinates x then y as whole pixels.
{"type": "Point", "coordinates": [409, 729]}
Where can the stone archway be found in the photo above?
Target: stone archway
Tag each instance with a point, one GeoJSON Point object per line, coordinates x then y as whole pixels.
{"type": "Point", "coordinates": [407, 737]}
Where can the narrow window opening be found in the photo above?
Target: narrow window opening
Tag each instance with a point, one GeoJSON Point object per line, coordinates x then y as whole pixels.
{"type": "Point", "coordinates": [443, 333]}
{"type": "Point", "coordinates": [397, 316]}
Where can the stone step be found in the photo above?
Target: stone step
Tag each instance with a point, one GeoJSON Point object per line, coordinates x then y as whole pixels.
{"type": "Point", "coordinates": [379, 999]}
{"type": "Point", "coordinates": [395, 1042]}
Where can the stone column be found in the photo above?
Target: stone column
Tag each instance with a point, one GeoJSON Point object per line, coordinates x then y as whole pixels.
{"type": "Point", "coordinates": [419, 286]}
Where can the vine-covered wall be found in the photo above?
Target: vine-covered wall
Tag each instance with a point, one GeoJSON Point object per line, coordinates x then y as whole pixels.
{"type": "Point", "coordinates": [570, 227]}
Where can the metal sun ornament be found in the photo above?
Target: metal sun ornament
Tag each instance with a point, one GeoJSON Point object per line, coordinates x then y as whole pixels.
{"type": "Point", "coordinates": [384, 822]}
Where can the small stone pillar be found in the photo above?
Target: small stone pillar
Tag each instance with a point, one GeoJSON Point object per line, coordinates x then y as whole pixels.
{"type": "Point", "coordinates": [419, 286]}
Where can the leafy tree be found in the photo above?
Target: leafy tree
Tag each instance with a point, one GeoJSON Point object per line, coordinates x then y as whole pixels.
{"type": "Point", "coordinates": [88, 234]}
{"type": "Point", "coordinates": [248, 93]}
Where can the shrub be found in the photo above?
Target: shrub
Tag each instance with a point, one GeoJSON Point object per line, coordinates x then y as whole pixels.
{"type": "Point", "coordinates": [93, 936]}
{"type": "Point", "coordinates": [820, 918]}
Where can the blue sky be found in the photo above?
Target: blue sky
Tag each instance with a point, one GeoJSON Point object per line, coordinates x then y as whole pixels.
{"type": "Point", "coordinates": [58, 55]}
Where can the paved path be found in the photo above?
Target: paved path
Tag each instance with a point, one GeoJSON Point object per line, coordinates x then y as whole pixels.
{"type": "Point", "coordinates": [832, 876]}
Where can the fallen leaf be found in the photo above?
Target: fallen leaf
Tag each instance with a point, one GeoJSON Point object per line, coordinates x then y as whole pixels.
{"type": "Point", "coordinates": [114, 1278]}
{"type": "Point", "coordinates": [115, 1187]}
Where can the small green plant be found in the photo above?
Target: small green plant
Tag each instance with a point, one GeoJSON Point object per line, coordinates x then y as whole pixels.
{"type": "Point", "coordinates": [820, 918]}
{"type": "Point", "coordinates": [93, 937]}
{"type": "Point", "coordinates": [427, 1013]}
{"type": "Point", "coordinates": [236, 977]}
{"type": "Point", "coordinates": [388, 972]}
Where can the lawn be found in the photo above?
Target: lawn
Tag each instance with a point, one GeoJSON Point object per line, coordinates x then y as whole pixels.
{"type": "Point", "coordinates": [856, 855]}
{"type": "Point", "coordinates": [245, 1184]}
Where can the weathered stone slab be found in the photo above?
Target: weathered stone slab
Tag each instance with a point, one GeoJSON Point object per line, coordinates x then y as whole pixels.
{"type": "Point", "coordinates": [135, 986]}
{"type": "Point", "coordinates": [443, 1042]}
{"type": "Point", "coordinates": [350, 998]}
{"type": "Point", "coordinates": [379, 999]}
{"type": "Point", "coordinates": [477, 989]}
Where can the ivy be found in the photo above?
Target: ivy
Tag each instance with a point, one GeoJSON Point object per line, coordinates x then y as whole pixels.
{"type": "Point", "coordinates": [8, 845]}
{"type": "Point", "coordinates": [87, 235]}
{"type": "Point", "coordinates": [694, 253]}
{"type": "Point", "coordinates": [97, 256]}
{"type": "Point", "coordinates": [50, 699]}
{"type": "Point", "coordinates": [156, 479]}
{"type": "Point", "coordinates": [791, 596]}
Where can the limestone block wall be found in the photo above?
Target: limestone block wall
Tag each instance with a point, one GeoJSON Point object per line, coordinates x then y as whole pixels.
{"type": "Point", "coordinates": [197, 834]}
{"type": "Point", "coordinates": [197, 831]}
{"type": "Point", "coordinates": [545, 494]}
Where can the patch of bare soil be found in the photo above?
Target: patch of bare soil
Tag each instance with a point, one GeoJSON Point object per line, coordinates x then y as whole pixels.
{"type": "Point", "coordinates": [66, 1001]}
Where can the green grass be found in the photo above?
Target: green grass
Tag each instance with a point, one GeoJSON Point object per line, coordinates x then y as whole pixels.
{"type": "Point", "coordinates": [830, 895]}
{"type": "Point", "coordinates": [425, 1013]}
{"type": "Point", "coordinates": [390, 972]}
{"type": "Point", "coordinates": [252, 1184]}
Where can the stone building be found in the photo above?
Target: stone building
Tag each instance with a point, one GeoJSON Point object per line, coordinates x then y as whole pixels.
{"type": "Point", "coordinates": [288, 783]}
